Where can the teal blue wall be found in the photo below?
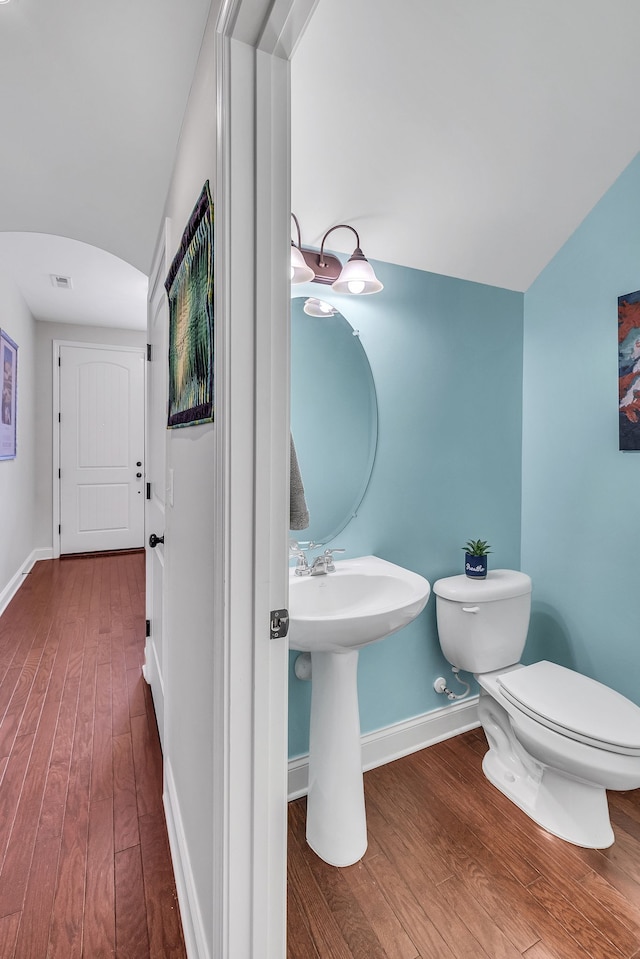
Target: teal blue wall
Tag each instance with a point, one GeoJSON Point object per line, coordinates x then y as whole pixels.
{"type": "Point", "coordinates": [446, 357]}
{"type": "Point", "coordinates": [477, 442]}
{"type": "Point", "coordinates": [580, 494]}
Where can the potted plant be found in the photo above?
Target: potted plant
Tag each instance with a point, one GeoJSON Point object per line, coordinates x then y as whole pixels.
{"type": "Point", "coordinates": [475, 558]}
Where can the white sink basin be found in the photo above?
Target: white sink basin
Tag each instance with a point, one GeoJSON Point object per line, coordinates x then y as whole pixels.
{"type": "Point", "coordinates": [331, 617]}
{"type": "Point", "coordinates": [362, 601]}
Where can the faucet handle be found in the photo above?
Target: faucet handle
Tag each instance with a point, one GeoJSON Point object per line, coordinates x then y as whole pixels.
{"type": "Point", "coordinates": [297, 552]}
{"type": "Point", "coordinates": [328, 557]}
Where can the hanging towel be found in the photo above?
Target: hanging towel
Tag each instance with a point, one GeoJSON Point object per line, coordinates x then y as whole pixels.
{"type": "Point", "coordinates": [298, 512]}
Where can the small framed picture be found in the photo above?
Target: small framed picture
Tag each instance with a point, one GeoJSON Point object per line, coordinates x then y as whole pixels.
{"type": "Point", "coordinates": [9, 396]}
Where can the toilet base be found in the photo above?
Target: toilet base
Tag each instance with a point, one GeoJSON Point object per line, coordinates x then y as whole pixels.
{"type": "Point", "coordinates": [569, 808]}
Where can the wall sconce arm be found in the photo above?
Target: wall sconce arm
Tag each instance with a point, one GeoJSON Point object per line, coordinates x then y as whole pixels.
{"type": "Point", "coordinates": [339, 226]}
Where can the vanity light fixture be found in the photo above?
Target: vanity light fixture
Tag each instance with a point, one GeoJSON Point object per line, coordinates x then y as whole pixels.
{"type": "Point", "coordinates": [356, 276]}
{"type": "Point", "coordinates": [300, 271]}
{"type": "Point", "coordinates": [316, 307]}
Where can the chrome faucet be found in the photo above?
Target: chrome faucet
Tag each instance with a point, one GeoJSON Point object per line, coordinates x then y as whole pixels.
{"type": "Point", "coordinates": [320, 566]}
{"type": "Point", "coordinates": [324, 564]}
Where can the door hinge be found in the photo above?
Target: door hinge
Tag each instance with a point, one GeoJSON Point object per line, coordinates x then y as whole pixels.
{"type": "Point", "coordinates": [59, 528]}
{"type": "Point", "coordinates": [148, 628]}
{"type": "Point", "coordinates": [149, 352]}
{"type": "Point", "coordinates": [59, 362]}
{"type": "Point", "coordinates": [59, 474]}
{"type": "Point", "coordinates": [59, 418]}
{"type": "Point", "coordinates": [279, 623]}
{"type": "Point", "coordinates": [148, 490]}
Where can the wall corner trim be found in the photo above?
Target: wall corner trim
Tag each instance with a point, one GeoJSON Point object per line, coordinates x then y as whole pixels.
{"type": "Point", "coordinates": [393, 742]}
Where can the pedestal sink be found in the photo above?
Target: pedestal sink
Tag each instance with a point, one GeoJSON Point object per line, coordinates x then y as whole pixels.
{"type": "Point", "coordinates": [333, 616]}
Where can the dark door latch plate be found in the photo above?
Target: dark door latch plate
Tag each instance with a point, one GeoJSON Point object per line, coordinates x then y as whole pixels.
{"type": "Point", "coordinates": [279, 623]}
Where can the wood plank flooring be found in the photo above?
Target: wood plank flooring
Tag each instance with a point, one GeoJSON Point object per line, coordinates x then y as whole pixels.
{"type": "Point", "coordinates": [84, 858]}
{"type": "Point", "coordinates": [454, 870]}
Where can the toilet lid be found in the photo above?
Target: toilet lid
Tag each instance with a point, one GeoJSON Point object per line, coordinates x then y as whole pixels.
{"type": "Point", "coordinates": [574, 705]}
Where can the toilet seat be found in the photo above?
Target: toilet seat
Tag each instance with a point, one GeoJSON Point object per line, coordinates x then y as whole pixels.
{"type": "Point", "coordinates": [575, 706]}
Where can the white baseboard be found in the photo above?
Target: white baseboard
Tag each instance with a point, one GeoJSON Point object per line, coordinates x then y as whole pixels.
{"type": "Point", "coordinates": [192, 925]}
{"type": "Point", "coordinates": [16, 581]}
{"type": "Point", "coordinates": [401, 739]}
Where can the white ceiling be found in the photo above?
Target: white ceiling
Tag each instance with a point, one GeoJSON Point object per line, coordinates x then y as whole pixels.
{"type": "Point", "coordinates": [93, 96]}
{"type": "Point", "coordinates": [464, 138]}
{"type": "Point", "coordinates": [105, 291]}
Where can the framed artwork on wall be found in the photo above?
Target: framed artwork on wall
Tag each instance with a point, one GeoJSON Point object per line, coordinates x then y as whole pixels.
{"type": "Point", "coordinates": [9, 396]}
{"type": "Point", "coordinates": [189, 287]}
{"type": "Point", "coordinates": [629, 370]}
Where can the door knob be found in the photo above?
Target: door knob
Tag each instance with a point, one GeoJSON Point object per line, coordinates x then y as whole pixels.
{"type": "Point", "coordinates": [138, 475]}
{"type": "Point", "coordinates": [154, 540]}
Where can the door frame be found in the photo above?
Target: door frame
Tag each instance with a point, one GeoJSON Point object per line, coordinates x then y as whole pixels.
{"type": "Point", "coordinates": [255, 40]}
{"type": "Point", "coordinates": [55, 406]}
{"type": "Point", "coordinates": [150, 671]}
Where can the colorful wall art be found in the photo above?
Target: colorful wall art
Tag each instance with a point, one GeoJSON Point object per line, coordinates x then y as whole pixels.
{"type": "Point", "coordinates": [189, 286]}
{"type": "Point", "coordinates": [8, 396]}
{"type": "Point", "coordinates": [629, 370]}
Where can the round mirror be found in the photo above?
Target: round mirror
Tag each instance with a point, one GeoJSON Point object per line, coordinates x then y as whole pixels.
{"type": "Point", "coordinates": [334, 419]}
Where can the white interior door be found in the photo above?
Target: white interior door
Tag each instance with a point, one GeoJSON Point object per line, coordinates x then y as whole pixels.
{"type": "Point", "coordinates": [157, 392]}
{"type": "Point", "coordinates": [101, 448]}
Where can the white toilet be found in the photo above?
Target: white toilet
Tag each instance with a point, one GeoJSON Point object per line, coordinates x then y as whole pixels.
{"type": "Point", "coordinates": [557, 740]}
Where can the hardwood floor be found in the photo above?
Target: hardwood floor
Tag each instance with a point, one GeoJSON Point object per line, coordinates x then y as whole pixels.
{"type": "Point", "coordinates": [454, 870]}
{"type": "Point", "coordinates": [84, 858]}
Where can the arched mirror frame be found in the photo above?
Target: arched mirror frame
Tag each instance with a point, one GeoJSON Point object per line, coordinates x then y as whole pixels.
{"type": "Point", "coordinates": [335, 396]}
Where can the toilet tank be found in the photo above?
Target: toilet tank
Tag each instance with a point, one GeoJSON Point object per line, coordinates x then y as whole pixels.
{"type": "Point", "coordinates": [483, 623]}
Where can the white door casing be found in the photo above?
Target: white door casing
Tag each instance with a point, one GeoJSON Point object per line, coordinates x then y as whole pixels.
{"type": "Point", "coordinates": [101, 447]}
{"type": "Point", "coordinates": [156, 486]}
{"type": "Point", "coordinates": [256, 39]}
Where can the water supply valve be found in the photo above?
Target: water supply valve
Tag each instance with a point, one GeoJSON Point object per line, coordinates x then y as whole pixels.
{"type": "Point", "coordinates": [440, 686]}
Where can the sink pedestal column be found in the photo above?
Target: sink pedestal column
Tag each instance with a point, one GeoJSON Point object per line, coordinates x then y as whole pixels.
{"type": "Point", "coordinates": [336, 821]}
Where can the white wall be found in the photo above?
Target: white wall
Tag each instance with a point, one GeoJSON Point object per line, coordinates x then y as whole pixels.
{"type": "Point", "coordinates": [189, 539]}
{"type": "Point", "coordinates": [17, 476]}
{"type": "Point", "coordinates": [45, 334]}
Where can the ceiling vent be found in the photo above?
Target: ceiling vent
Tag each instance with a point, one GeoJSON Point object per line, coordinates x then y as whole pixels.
{"type": "Point", "coordinates": [61, 282]}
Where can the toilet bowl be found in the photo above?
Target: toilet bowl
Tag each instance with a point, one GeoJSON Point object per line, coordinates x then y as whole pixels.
{"type": "Point", "coordinates": [557, 740]}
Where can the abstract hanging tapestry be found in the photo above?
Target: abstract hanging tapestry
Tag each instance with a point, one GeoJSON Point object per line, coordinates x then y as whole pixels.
{"type": "Point", "coordinates": [8, 396]}
{"type": "Point", "coordinates": [189, 287]}
{"type": "Point", "coordinates": [629, 370]}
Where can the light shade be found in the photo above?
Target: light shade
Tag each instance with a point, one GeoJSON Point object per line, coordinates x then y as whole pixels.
{"type": "Point", "coordinates": [300, 272]}
{"type": "Point", "coordinates": [316, 307]}
{"type": "Point", "coordinates": [357, 276]}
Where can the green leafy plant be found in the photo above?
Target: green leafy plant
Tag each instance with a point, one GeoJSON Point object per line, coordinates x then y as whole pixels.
{"type": "Point", "coordinates": [476, 547]}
